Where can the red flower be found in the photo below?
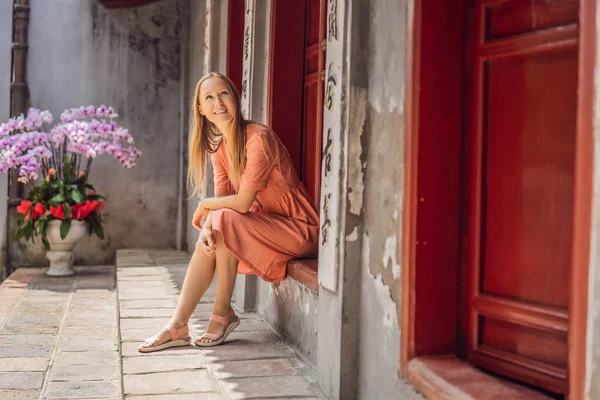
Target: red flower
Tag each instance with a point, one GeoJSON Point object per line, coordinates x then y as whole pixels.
{"type": "Point", "coordinates": [101, 205]}
{"type": "Point", "coordinates": [38, 210]}
{"type": "Point", "coordinates": [26, 209]}
{"type": "Point", "coordinates": [82, 210]}
{"type": "Point", "coordinates": [58, 212]}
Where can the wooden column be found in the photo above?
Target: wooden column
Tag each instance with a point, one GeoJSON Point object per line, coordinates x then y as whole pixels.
{"type": "Point", "coordinates": [19, 91]}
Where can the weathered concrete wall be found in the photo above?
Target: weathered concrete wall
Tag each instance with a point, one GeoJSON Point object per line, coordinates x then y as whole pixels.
{"type": "Point", "coordinates": [377, 123]}
{"type": "Point", "coordinates": [128, 58]}
{"type": "Point", "coordinates": [291, 309]}
{"type": "Point", "coordinates": [593, 356]}
{"type": "Point", "coordinates": [5, 68]}
{"type": "Point", "coordinates": [363, 315]}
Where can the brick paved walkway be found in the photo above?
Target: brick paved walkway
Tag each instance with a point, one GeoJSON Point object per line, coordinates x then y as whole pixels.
{"type": "Point", "coordinates": [76, 338]}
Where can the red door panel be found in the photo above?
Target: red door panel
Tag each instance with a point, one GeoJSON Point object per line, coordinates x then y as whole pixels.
{"type": "Point", "coordinates": [314, 64]}
{"type": "Point", "coordinates": [286, 72]}
{"type": "Point", "coordinates": [295, 104]}
{"type": "Point", "coordinates": [235, 42]}
{"type": "Point", "coordinates": [520, 187]}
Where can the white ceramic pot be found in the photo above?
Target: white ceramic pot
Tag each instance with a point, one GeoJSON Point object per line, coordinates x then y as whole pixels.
{"type": "Point", "coordinates": [61, 250]}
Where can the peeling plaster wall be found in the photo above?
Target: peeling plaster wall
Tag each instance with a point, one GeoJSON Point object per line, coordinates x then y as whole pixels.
{"type": "Point", "coordinates": [291, 309]}
{"type": "Point", "coordinates": [5, 70]}
{"type": "Point", "coordinates": [128, 58]}
{"type": "Point", "coordinates": [375, 190]}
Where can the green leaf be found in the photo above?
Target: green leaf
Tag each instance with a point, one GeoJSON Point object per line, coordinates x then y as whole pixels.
{"type": "Point", "coordinates": [46, 243]}
{"type": "Point", "coordinates": [76, 196]}
{"type": "Point", "coordinates": [68, 169]}
{"type": "Point", "coordinates": [57, 199]}
{"type": "Point", "coordinates": [87, 185]}
{"type": "Point", "coordinates": [96, 197]}
{"type": "Point", "coordinates": [20, 233]}
{"type": "Point", "coordinates": [99, 231]}
{"type": "Point", "coordinates": [67, 211]}
{"type": "Point", "coordinates": [64, 228]}
{"type": "Point", "coordinates": [28, 231]}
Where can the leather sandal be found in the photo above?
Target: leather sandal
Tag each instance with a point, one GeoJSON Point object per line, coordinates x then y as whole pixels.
{"type": "Point", "coordinates": [179, 337]}
{"type": "Point", "coordinates": [230, 321]}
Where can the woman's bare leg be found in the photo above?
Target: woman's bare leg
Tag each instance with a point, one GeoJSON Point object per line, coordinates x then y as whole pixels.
{"type": "Point", "coordinates": [198, 277]}
{"type": "Point", "coordinates": [226, 268]}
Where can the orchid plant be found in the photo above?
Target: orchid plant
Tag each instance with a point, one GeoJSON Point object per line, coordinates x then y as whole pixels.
{"type": "Point", "coordinates": [55, 165]}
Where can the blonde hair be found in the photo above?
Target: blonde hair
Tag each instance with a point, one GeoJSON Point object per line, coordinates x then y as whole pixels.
{"type": "Point", "coordinates": [206, 139]}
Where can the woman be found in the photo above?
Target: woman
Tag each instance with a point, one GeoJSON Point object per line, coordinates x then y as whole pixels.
{"type": "Point", "coordinates": [260, 217]}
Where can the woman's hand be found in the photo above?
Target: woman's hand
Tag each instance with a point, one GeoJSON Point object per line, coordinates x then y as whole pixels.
{"type": "Point", "coordinates": [200, 212]}
{"type": "Point", "coordinates": [206, 240]}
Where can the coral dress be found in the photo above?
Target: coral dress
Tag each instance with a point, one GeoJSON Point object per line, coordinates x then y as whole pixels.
{"type": "Point", "coordinates": [281, 224]}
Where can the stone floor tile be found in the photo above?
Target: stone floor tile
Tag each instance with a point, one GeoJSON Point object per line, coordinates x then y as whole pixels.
{"type": "Point", "coordinates": [88, 372]}
{"type": "Point", "coordinates": [20, 394]}
{"type": "Point", "coordinates": [87, 345]}
{"type": "Point", "coordinates": [21, 380]}
{"type": "Point", "coordinates": [129, 349]}
{"type": "Point", "coordinates": [86, 357]}
{"type": "Point", "coordinates": [163, 363]}
{"type": "Point", "coordinates": [271, 387]}
{"type": "Point", "coordinates": [139, 271]}
{"type": "Point", "coordinates": [28, 340]}
{"type": "Point", "coordinates": [254, 368]}
{"type": "Point", "coordinates": [138, 334]}
{"type": "Point", "coordinates": [148, 284]}
{"type": "Point", "coordinates": [89, 321]}
{"type": "Point", "coordinates": [149, 294]}
{"type": "Point", "coordinates": [146, 304]}
{"type": "Point", "coordinates": [42, 301]}
{"type": "Point", "coordinates": [15, 329]}
{"type": "Point", "coordinates": [147, 313]}
{"type": "Point", "coordinates": [180, 396]}
{"type": "Point", "coordinates": [40, 319]}
{"type": "Point", "coordinates": [12, 352]}
{"type": "Point", "coordinates": [228, 352]}
{"type": "Point", "coordinates": [144, 323]}
{"type": "Point", "coordinates": [87, 332]}
{"type": "Point", "coordinates": [141, 278]}
{"type": "Point", "coordinates": [24, 364]}
{"type": "Point", "coordinates": [253, 325]}
{"type": "Point", "coordinates": [83, 389]}
{"type": "Point", "coordinates": [243, 337]}
{"type": "Point", "coordinates": [169, 382]}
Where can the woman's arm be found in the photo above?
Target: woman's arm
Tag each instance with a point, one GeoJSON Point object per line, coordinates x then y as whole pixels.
{"type": "Point", "coordinates": [240, 202]}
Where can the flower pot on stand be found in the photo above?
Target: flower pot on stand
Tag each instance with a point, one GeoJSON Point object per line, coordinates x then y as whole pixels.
{"type": "Point", "coordinates": [61, 253]}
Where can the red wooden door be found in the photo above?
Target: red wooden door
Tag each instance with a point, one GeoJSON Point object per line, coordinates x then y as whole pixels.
{"type": "Point", "coordinates": [235, 42]}
{"type": "Point", "coordinates": [312, 118]}
{"type": "Point", "coordinates": [296, 86]}
{"type": "Point", "coordinates": [520, 187]}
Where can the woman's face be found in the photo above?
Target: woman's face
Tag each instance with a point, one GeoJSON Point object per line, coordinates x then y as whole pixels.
{"type": "Point", "coordinates": [216, 101]}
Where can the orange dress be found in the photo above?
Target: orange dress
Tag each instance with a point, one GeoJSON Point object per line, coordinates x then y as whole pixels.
{"type": "Point", "coordinates": [281, 224]}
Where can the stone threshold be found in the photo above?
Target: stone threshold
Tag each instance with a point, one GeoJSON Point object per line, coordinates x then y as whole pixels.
{"type": "Point", "coordinates": [450, 378]}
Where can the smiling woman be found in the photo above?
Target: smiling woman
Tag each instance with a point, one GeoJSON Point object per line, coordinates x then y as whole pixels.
{"type": "Point", "coordinates": [260, 218]}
